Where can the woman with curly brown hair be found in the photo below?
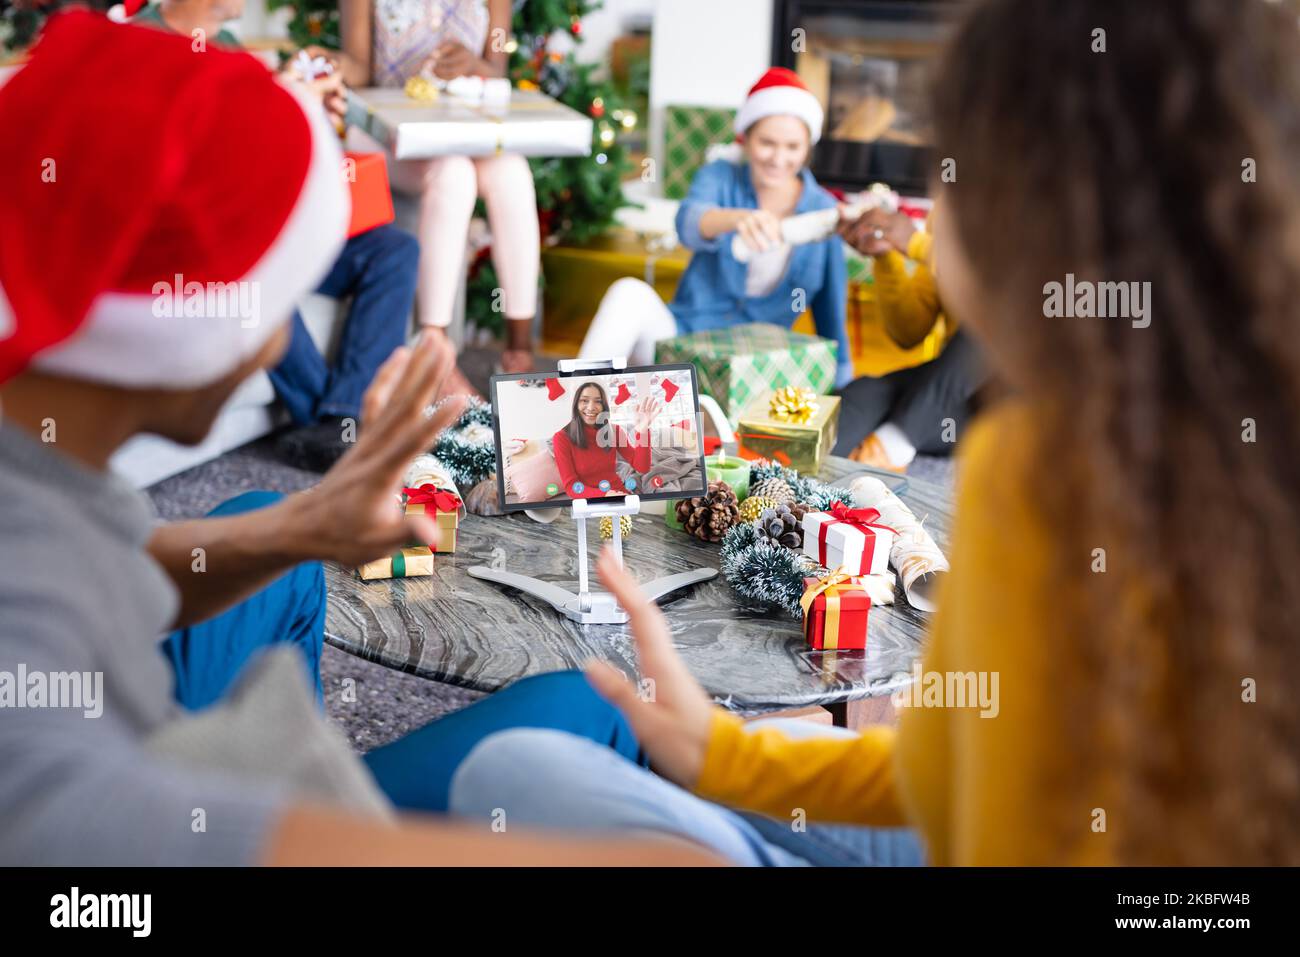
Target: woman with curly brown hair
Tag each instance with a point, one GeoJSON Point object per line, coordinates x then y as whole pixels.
{"type": "Point", "coordinates": [1127, 552]}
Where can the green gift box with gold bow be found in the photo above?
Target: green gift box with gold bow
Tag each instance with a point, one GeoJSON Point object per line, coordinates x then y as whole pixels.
{"type": "Point", "coordinates": [740, 362]}
{"type": "Point", "coordinates": [791, 426]}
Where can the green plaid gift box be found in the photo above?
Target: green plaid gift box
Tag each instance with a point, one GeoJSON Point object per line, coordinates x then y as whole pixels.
{"type": "Point", "coordinates": [856, 265]}
{"type": "Point", "coordinates": [689, 131]}
{"type": "Point", "coordinates": [744, 361]}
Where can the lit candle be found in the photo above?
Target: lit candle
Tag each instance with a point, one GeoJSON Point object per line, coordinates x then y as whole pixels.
{"type": "Point", "coordinates": [734, 471]}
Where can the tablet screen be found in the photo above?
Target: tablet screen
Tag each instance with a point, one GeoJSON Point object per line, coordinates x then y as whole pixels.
{"type": "Point", "coordinates": [598, 435]}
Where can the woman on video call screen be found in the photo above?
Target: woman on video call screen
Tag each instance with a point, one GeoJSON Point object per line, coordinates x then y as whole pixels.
{"type": "Point", "coordinates": [587, 448]}
{"type": "Point", "coordinates": [630, 433]}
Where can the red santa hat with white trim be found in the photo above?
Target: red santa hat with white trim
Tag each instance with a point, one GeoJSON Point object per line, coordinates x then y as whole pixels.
{"type": "Point", "coordinates": [163, 209]}
{"type": "Point", "coordinates": [781, 92]}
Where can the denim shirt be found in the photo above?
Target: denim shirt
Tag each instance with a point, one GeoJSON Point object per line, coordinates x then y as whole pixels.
{"type": "Point", "coordinates": [711, 293]}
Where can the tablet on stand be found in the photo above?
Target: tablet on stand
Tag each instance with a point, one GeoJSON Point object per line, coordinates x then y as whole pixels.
{"type": "Point", "coordinates": [604, 396]}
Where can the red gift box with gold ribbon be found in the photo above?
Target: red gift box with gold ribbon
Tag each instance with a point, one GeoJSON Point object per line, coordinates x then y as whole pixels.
{"type": "Point", "coordinates": [835, 612]}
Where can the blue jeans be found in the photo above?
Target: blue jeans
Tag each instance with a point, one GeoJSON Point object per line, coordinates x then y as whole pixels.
{"type": "Point", "coordinates": [414, 771]}
{"type": "Point", "coordinates": [207, 657]}
{"type": "Point", "coordinates": [379, 270]}
{"type": "Point", "coordinates": [546, 778]}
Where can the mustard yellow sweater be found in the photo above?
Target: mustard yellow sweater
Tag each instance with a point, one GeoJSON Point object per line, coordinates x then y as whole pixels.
{"type": "Point", "coordinates": [908, 304]}
{"type": "Point", "coordinates": [978, 788]}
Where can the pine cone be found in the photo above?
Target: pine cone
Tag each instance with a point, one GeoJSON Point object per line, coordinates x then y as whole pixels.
{"type": "Point", "coordinates": [778, 490]}
{"type": "Point", "coordinates": [708, 517]}
{"type": "Point", "coordinates": [783, 525]}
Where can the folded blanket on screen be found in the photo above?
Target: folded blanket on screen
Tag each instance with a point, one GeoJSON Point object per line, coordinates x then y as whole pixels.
{"type": "Point", "coordinates": [674, 467]}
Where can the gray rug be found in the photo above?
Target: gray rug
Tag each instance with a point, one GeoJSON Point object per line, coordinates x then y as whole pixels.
{"type": "Point", "coordinates": [389, 704]}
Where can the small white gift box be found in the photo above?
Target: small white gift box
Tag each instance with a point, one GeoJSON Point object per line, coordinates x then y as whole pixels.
{"type": "Point", "coordinates": [852, 538]}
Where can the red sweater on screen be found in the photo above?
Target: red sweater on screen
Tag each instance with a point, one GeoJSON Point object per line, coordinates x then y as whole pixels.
{"type": "Point", "coordinates": [594, 464]}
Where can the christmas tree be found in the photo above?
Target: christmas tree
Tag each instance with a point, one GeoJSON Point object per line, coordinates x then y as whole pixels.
{"type": "Point", "coordinates": [314, 22]}
{"type": "Point", "coordinates": [21, 21]}
{"type": "Point", "coordinates": [578, 195]}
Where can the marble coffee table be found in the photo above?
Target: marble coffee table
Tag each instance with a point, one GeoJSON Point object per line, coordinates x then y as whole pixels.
{"type": "Point", "coordinates": [454, 628]}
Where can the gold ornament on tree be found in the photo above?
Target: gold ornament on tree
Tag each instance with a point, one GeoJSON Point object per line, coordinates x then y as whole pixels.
{"type": "Point", "coordinates": [607, 527]}
{"type": "Point", "coordinates": [794, 404]}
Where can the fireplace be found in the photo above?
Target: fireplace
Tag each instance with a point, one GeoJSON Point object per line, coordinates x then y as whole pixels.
{"type": "Point", "coordinates": [869, 63]}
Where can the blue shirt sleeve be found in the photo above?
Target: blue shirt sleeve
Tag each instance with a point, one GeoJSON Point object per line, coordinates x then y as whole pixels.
{"type": "Point", "coordinates": [707, 192]}
{"type": "Point", "coordinates": [830, 309]}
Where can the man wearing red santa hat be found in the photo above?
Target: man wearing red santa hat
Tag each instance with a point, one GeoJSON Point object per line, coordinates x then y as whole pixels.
{"type": "Point", "coordinates": [128, 184]}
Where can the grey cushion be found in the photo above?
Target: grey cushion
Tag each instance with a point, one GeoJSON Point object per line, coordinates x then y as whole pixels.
{"type": "Point", "coordinates": [268, 731]}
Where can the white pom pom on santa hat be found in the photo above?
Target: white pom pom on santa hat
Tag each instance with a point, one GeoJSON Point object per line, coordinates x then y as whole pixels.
{"type": "Point", "coordinates": [781, 92]}
{"type": "Point", "coordinates": [151, 181]}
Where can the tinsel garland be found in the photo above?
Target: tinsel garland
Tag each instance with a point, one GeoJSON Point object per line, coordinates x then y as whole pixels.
{"type": "Point", "coordinates": [809, 490]}
{"type": "Point", "coordinates": [466, 447]}
{"type": "Point", "coordinates": [762, 570]}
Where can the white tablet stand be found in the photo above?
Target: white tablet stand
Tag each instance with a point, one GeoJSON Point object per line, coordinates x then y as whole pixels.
{"type": "Point", "coordinates": [587, 607]}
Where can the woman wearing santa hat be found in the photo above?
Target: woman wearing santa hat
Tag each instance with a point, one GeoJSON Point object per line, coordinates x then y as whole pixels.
{"type": "Point", "coordinates": [744, 198]}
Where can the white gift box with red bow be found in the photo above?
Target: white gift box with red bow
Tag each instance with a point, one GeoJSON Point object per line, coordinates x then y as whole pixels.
{"type": "Point", "coordinates": [850, 538]}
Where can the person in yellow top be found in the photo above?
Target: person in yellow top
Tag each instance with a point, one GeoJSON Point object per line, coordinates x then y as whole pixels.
{"type": "Point", "coordinates": [886, 420]}
{"type": "Point", "coordinates": [1126, 553]}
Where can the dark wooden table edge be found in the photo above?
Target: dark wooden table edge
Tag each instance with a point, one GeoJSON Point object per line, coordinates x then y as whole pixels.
{"type": "Point", "coordinates": [841, 706]}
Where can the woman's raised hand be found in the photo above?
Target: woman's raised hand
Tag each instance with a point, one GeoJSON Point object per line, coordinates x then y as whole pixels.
{"type": "Point", "coordinates": [647, 408]}
{"type": "Point", "coordinates": [668, 710]}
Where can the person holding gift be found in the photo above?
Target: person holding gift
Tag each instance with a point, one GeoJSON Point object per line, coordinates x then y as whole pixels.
{"type": "Point", "coordinates": [886, 420]}
{"type": "Point", "coordinates": [377, 269]}
{"type": "Point", "coordinates": [588, 448]}
{"type": "Point", "coordinates": [386, 43]}
{"type": "Point", "coordinates": [742, 199]}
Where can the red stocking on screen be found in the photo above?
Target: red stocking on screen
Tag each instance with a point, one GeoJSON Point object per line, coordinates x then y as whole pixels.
{"type": "Point", "coordinates": [670, 389]}
{"type": "Point", "coordinates": [553, 389]}
{"type": "Point", "coordinates": [623, 394]}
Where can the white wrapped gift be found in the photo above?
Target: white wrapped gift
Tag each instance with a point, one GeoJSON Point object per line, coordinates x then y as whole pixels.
{"type": "Point", "coordinates": [852, 538]}
{"type": "Point", "coordinates": [528, 122]}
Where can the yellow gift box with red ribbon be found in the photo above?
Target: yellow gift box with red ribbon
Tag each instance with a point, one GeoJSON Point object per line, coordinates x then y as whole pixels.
{"type": "Point", "coordinates": [835, 611]}
{"type": "Point", "coordinates": [442, 506]}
